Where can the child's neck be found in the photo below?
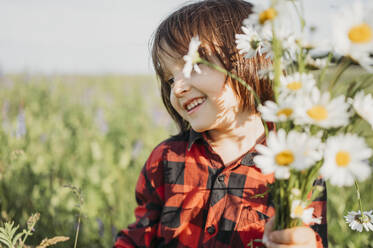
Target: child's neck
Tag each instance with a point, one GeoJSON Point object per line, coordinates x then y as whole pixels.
{"type": "Point", "coordinates": [232, 143]}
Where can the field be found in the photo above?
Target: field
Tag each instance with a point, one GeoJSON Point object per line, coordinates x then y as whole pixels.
{"type": "Point", "coordinates": [95, 133]}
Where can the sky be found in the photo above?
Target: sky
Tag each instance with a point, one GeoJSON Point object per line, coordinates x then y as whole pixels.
{"type": "Point", "coordinates": [92, 36]}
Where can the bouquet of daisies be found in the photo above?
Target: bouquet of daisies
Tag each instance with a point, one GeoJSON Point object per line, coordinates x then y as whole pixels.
{"type": "Point", "coordinates": [318, 126]}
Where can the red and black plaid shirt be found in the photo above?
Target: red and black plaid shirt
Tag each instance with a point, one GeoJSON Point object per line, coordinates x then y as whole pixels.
{"type": "Point", "coordinates": [187, 197]}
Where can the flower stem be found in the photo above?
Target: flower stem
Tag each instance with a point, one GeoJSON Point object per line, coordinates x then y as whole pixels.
{"type": "Point", "coordinates": [25, 237]}
{"type": "Point", "coordinates": [346, 62]}
{"type": "Point", "coordinates": [77, 232]}
{"type": "Point", "coordinates": [323, 71]}
{"type": "Point", "coordinates": [359, 199]}
{"type": "Point", "coordinates": [300, 13]}
{"type": "Point", "coordinates": [31, 222]}
{"type": "Point", "coordinates": [277, 49]}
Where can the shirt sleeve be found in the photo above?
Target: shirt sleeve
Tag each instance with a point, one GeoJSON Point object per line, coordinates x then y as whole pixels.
{"type": "Point", "coordinates": [319, 205]}
{"type": "Point", "coordinates": [149, 197]}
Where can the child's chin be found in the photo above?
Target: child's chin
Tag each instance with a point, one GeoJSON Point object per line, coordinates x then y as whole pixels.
{"type": "Point", "coordinates": [199, 129]}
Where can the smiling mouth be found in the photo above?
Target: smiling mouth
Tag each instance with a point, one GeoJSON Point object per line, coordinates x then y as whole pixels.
{"type": "Point", "coordinates": [194, 104]}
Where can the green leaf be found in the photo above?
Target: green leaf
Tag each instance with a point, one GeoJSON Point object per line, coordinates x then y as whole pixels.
{"type": "Point", "coordinates": [16, 238]}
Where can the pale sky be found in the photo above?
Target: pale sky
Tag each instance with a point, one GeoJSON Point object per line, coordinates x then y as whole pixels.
{"type": "Point", "coordinates": [91, 36]}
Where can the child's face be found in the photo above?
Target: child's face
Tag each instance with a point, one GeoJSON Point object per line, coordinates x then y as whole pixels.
{"type": "Point", "coordinates": [204, 100]}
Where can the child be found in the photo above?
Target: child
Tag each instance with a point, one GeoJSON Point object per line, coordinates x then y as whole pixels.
{"type": "Point", "coordinates": [201, 188]}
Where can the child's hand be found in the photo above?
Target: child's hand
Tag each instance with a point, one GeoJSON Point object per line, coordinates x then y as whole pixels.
{"type": "Point", "coordinates": [296, 237]}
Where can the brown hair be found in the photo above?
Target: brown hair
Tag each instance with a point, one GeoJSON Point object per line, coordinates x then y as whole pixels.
{"type": "Point", "coordinates": [215, 22]}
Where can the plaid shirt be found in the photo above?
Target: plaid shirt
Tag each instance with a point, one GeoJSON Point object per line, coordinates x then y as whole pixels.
{"type": "Point", "coordinates": [187, 197]}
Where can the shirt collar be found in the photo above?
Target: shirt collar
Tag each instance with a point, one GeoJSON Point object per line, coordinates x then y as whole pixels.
{"type": "Point", "coordinates": [248, 158]}
{"type": "Point", "coordinates": [193, 137]}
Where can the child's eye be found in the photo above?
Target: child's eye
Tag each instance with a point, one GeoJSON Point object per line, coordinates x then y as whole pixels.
{"type": "Point", "coordinates": [170, 81]}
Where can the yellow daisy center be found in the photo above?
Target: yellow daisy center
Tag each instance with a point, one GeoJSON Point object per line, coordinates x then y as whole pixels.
{"type": "Point", "coordinates": [266, 15]}
{"type": "Point", "coordinates": [318, 113]}
{"type": "Point", "coordinates": [294, 85]}
{"type": "Point", "coordinates": [360, 33]}
{"type": "Point", "coordinates": [362, 219]}
{"type": "Point", "coordinates": [285, 111]}
{"type": "Point", "coordinates": [298, 211]}
{"type": "Point", "coordinates": [342, 158]}
{"type": "Point", "coordinates": [284, 158]}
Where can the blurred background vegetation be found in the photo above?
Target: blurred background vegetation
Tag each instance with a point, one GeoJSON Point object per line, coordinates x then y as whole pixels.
{"type": "Point", "coordinates": [95, 133]}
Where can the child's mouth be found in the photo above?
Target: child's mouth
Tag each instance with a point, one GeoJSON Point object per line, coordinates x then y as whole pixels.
{"type": "Point", "coordinates": [194, 105]}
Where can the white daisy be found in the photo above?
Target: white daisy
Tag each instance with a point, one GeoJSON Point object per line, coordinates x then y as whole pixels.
{"type": "Point", "coordinates": [283, 19]}
{"type": "Point", "coordinates": [261, 14]}
{"type": "Point", "coordinates": [297, 82]}
{"type": "Point", "coordinates": [318, 109]}
{"type": "Point", "coordinates": [286, 39]}
{"type": "Point", "coordinates": [312, 39]}
{"type": "Point", "coordinates": [318, 63]}
{"type": "Point", "coordinates": [192, 58]}
{"type": "Point", "coordinates": [353, 33]}
{"type": "Point", "coordinates": [357, 222]}
{"type": "Point", "coordinates": [363, 105]}
{"type": "Point", "coordinates": [277, 112]}
{"type": "Point", "coordinates": [307, 38]}
{"type": "Point", "coordinates": [266, 12]}
{"type": "Point", "coordinates": [289, 45]}
{"type": "Point", "coordinates": [299, 210]}
{"type": "Point", "coordinates": [267, 72]}
{"type": "Point", "coordinates": [285, 152]}
{"type": "Point", "coordinates": [285, 35]}
{"type": "Point", "coordinates": [250, 42]}
{"type": "Point", "coordinates": [345, 160]}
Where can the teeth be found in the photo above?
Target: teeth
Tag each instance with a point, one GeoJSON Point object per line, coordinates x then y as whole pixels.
{"type": "Point", "coordinates": [195, 103]}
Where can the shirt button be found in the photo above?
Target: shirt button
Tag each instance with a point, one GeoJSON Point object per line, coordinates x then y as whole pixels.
{"type": "Point", "coordinates": [221, 178]}
{"type": "Point", "coordinates": [211, 230]}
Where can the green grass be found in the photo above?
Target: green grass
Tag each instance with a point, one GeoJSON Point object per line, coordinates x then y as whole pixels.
{"type": "Point", "coordinates": [91, 132]}
{"type": "Point", "coordinates": [95, 133]}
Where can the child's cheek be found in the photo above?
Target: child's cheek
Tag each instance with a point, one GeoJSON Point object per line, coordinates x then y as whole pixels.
{"type": "Point", "coordinates": [176, 105]}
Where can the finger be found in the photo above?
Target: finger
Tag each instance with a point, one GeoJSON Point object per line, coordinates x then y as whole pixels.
{"type": "Point", "coordinates": [268, 229]}
{"type": "Point", "coordinates": [295, 235]}
{"type": "Point", "coordinates": [269, 225]}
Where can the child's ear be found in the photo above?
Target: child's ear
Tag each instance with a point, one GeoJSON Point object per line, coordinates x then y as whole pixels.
{"type": "Point", "coordinates": [208, 51]}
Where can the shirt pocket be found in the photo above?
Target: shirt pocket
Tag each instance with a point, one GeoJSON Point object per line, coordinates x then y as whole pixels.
{"type": "Point", "coordinates": [250, 218]}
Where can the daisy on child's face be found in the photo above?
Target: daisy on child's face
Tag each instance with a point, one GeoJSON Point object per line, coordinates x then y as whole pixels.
{"type": "Point", "coordinates": [205, 100]}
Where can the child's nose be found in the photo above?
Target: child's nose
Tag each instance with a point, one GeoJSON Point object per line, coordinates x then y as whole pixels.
{"type": "Point", "coordinates": [181, 86]}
